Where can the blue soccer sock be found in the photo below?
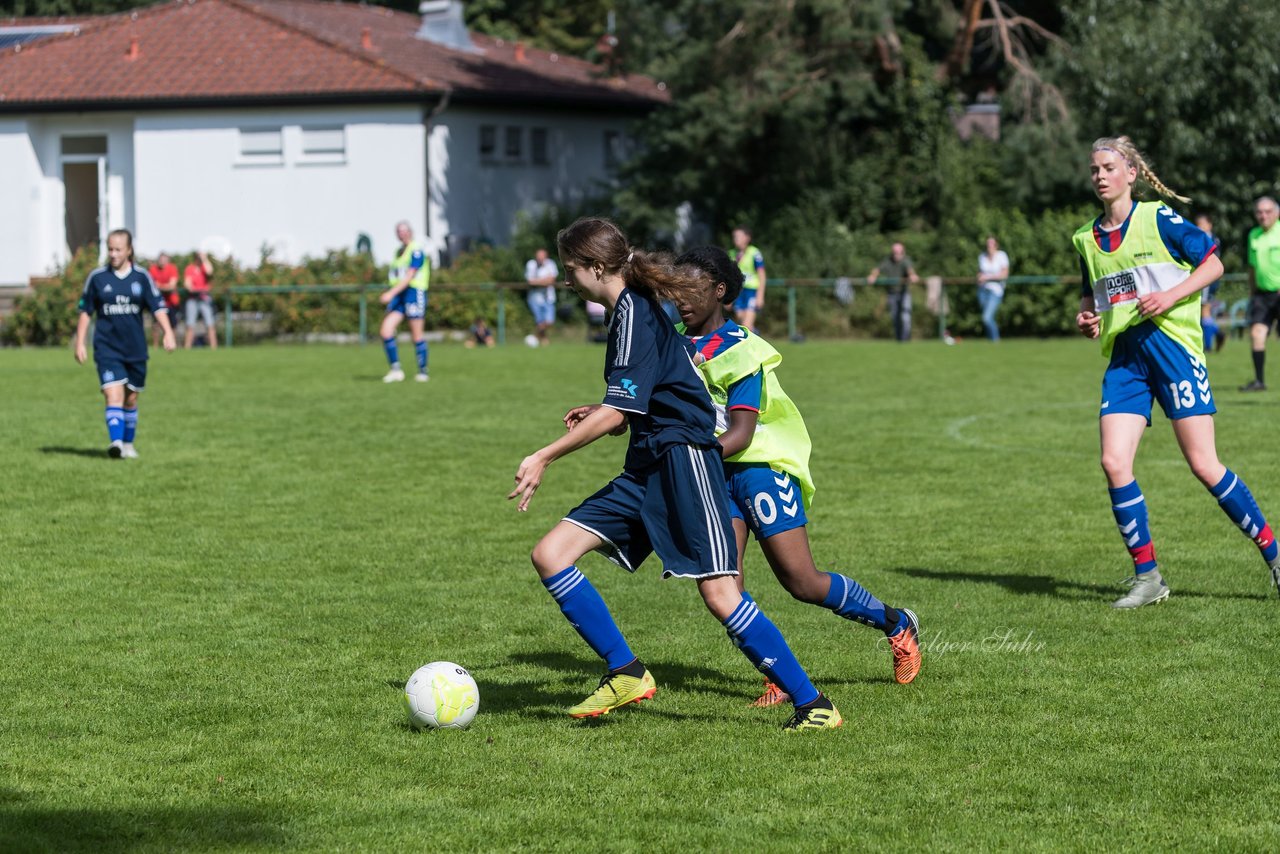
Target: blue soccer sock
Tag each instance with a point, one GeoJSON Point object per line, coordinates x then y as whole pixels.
{"type": "Point", "coordinates": [851, 600]}
{"type": "Point", "coordinates": [586, 612]}
{"type": "Point", "coordinates": [766, 648]}
{"type": "Point", "coordinates": [1237, 502]}
{"type": "Point", "coordinates": [1130, 510]}
{"type": "Point", "coordinates": [393, 355]}
{"type": "Point", "coordinates": [130, 424]}
{"type": "Point", "coordinates": [420, 349]}
{"type": "Point", "coordinates": [115, 423]}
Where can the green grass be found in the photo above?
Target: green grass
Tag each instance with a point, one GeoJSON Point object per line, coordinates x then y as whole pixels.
{"type": "Point", "coordinates": [202, 648]}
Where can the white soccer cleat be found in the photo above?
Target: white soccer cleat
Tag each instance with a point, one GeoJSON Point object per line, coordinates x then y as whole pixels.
{"type": "Point", "coordinates": [127, 451]}
{"type": "Point", "coordinates": [115, 450]}
{"type": "Point", "coordinates": [395, 375]}
{"type": "Point", "coordinates": [421, 377]}
{"type": "Point", "coordinates": [1145, 589]}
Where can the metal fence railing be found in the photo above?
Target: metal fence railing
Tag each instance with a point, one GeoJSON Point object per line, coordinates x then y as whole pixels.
{"type": "Point", "coordinates": [937, 287]}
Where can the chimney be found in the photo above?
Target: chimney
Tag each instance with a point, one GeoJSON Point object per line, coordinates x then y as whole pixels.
{"type": "Point", "coordinates": [520, 52]}
{"type": "Point", "coordinates": [132, 53]}
{"type": "Point", "coordinates": [366, 38]}
{"type": "Point", "coordinates": [443, 24]}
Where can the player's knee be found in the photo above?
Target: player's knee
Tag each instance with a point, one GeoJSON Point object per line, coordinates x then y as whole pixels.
{"type": "Point", "coordinates": [1115, 465]}
{"type": "Point", "coordinates": [547, 558]}
{"type": "Point", "coordinates": [720, 595]}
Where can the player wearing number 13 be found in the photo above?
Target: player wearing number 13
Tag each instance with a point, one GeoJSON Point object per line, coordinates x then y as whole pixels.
{"type": "Point", "coordinates": [1143, 267]}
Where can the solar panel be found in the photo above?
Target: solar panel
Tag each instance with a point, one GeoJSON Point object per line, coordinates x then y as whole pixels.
{"type": "Point", "coordinates": [11, 37]}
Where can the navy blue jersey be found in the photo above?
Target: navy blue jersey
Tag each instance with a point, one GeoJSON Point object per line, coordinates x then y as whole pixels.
{"type": "Point", "coordinates": [649, 375]}
{"type": "Point", "coordinates": [116, 303]}
{"type": "Point", "coordinates": [1185, 241]}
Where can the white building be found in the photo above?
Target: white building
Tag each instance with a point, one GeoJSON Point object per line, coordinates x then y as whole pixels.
{"type": "Point", "coordinates": [290, 126]}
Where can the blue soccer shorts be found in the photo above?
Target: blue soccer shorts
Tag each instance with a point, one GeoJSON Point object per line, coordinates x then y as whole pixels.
{"type": "Point", "coordinates": [411, 302]}
{"type": "Point", "coordinates": [746, 300]}
{"type": "Point", "coordinates": [130, 373]}
{"type": "Point", "coordinates": [1146, 364]}
{"type": "Point", "coordinates": [769, 501]}
{"type": "Point", "coordinates": [678, 508]}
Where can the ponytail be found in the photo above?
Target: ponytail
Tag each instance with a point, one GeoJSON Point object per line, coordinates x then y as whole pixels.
{"type": "Point", "coordinates": [595, 240]}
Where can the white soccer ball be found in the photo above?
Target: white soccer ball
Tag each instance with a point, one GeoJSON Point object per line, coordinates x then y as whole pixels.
{"type": "Point", "coordinates": [531, 340]}
{"type": "Point", "coordinates": [441, 695]}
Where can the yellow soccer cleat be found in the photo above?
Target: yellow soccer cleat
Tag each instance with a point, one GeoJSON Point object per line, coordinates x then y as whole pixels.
{"type": "Point", "coordinates": [616, 689]}
{"type": "Point", "coordinates": [820, 714]}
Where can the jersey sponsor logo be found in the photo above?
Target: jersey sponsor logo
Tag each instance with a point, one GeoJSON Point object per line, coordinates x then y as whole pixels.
{"type": "Point", "coordinates": [122, 305]}
{"type": "Point", "coordinates": [1120, 287]}
{"type": "Point", "coordinates": [629, 387]}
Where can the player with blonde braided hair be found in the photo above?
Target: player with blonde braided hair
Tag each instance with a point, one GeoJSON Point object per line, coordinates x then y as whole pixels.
{"type": "Point", "coordinates": [1143, 267]}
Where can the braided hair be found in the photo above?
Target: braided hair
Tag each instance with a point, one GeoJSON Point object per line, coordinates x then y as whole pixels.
{"type": "Point", "coordinates": [1124, 146]}
{"type": "Point", "coordinates": [713, 263]}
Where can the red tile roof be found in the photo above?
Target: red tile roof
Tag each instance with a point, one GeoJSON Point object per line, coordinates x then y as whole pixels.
{"type": "Point", "coordinates": [226, 51]}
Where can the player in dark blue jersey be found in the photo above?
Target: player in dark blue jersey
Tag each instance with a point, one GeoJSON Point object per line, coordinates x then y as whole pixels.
{"type": "Point", "coordinates": [669, 499]}
{"type": "Point", "coordinates": [115, 296]}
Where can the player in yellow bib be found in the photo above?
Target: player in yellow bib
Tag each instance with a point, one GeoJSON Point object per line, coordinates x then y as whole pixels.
{"type": "Point", "coordinates": [766, 461]}
{"type": "Point", "coordinates": [1143, 268]}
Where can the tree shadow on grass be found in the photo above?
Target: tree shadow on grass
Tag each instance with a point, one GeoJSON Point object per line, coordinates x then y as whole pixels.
{"type": "Point", "coordinates": [1048, 585]}
{"type": "Point", "coordinates": [29, 826]}
{"type": "Point", "coordinates": [96, 453]}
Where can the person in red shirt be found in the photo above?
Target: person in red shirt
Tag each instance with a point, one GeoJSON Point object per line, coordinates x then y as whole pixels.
{"type": "Point", "coordinates": [165, 274]}
{"type": "Point", "coordinates": [199, 303]}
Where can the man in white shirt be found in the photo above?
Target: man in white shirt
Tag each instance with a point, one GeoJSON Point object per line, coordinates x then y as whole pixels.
{"type": "Point", "coordinates": [993, 269]}
{"type": "Point", "coordinates": [542, 273]}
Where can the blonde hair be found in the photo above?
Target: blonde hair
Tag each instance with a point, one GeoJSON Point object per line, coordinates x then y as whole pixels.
{"type": "Point", "coordinates": [1124, 146]}
{"type": "Point", "coordinates": [595, 240]}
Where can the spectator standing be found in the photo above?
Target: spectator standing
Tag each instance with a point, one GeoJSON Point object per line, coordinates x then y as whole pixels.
{"type": "Point", "coordinates": [541, 273]}
{"type": "Point", "coordinates": [165, 275]}
{"type": "Point", "coordinates": [195, 279]}
{"type": "Point", "coordinates": [993, 270]}
{"type": "Point", "coordinates": [1210, 305]}
{"type": "Point", "coordinates": [1264, 284]}
{"type": "Point", "coordinates": [750, 261]}
{"type": "Point", "coordinates": [898, 266]}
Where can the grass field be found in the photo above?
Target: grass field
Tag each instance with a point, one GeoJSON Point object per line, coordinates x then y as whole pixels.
{"type": "Point", "coordinates": [203, 648]}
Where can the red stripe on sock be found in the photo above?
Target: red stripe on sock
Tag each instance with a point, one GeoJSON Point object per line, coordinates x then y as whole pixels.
{"type": "Point", "coordinates": [1143, 554]}
{"type": "Point", "coordinates": [1265, 537]}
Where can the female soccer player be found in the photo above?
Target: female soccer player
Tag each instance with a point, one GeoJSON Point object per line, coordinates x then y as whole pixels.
{"type": "Point", "coordinates": [669, 497]}
{"type": "Point", "coordinates": [115, 296]}
{"type": "Point", "coordinates": [406, 296]}
{"type": "Point", "coordinates": [1143, 267]}
{"type": "Point", "coordinates": [766, 452]}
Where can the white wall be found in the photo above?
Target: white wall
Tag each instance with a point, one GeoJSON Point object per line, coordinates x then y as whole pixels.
{"type": "Point", "coordinates": [480, 199]}
{"type": "Point", "coordinates": [19, 201]}
{"type": "Point", "coordinates": [194, 189]}
{"type": "Point", "coordinates": [47, 241]}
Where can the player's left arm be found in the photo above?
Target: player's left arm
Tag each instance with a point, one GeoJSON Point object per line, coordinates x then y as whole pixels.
{"type": "Point", "coordinates": [743, 409]}
{"type": "Point", "coordinates": [600, 422]}
{"type": "Point", "coordinates": [155, 304]}
{"type": "Point", "coordinates": [1186, 243]}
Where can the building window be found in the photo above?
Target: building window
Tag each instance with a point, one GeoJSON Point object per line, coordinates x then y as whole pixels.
{"type": "Point", "coordinates": [538, 146]}
{"type": "Point", "coordinates": [84, 145]}
{"type": "Point", "coordinates": [488, 142]}
{"type": "Point", "coordinates": [261, 146]}
{"type": "Point", "coordinates": [615, 150]}
{"type": "Point", "coordinates": [513, 141]}
{"type": "Point", "coordinates": [324, 145]}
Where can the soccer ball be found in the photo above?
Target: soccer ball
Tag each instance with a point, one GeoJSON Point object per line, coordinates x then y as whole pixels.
{"type": "Point", "coordinates": [441, 695]}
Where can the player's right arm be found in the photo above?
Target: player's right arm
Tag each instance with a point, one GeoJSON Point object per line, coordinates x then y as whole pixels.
{"type": "Point", "coordinates": [1087, 319]}
{"type": "Point", "coordinates": [604, 420]}
{"type": "Point", "coordinates": [88, 305]}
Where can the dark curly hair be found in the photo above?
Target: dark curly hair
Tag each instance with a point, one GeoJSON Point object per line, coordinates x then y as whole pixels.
{"type": "Point", "coordinates": [714, 262]}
